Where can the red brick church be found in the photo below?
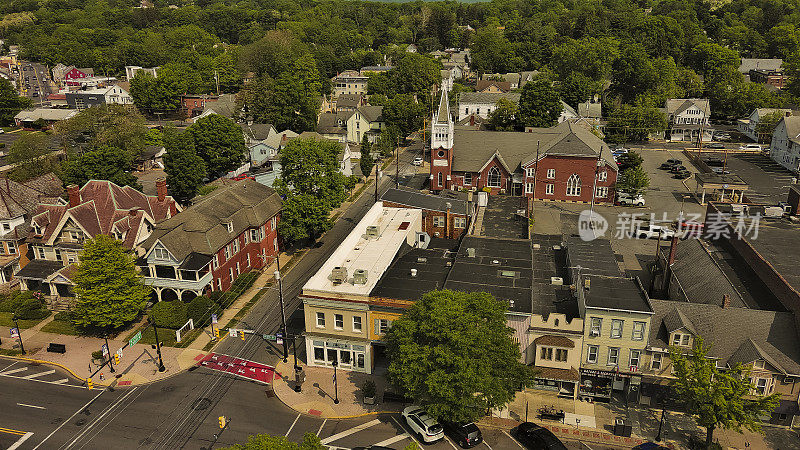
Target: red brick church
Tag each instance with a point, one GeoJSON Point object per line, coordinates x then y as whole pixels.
{"type": "Point", "coordinates": [558, 163]}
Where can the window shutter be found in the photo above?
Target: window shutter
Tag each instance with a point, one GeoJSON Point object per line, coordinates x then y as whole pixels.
{"type": "Point", "coordinates": [377, 329]}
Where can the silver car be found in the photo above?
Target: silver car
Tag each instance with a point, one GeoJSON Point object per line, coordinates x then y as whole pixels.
{"type": "Point", "coordinates": [424, 425]}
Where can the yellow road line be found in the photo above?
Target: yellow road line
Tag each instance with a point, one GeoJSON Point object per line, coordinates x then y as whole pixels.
{"type": "Point", "coordinates": [11, 431]}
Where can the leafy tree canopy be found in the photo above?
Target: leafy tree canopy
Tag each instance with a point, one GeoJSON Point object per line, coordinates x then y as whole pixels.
{"type": "Point", "coordinates": [453, 353]}
{"type": "Point", "coordinates": [268, 442]}
{"type": "Point", "coordinates": [110, 125]}
{"type": "Point", "coordinates": [219, 142]}
{"type": "Point", "coordinates": [10, 102]}
{"type": "Point", "coordinates": [184, 167]}
{"type": "Point", "coordinates": [539, 105]}
{"type": "Point", "coordinates": [100, 163]}
{"type": "Point", "coordinates": [33, 156]}
{"type": "Point", "coordinates": [504, 117]}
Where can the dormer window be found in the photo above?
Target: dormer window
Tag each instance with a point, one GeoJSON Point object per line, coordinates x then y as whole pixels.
{"type": "Point", "coordinates": [758, 364]}
{"type": "Point", "coordinates": [229, 226]}
{"type": "Point", "coordinates": [37, 230]}
{"type": "Point", "coordinates": [160, 253]}
{"type": "Point", "coordinates": [681, 339]}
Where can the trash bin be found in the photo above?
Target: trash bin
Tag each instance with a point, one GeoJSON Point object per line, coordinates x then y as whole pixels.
{"type": "Point", "coordinates": [622, 428]}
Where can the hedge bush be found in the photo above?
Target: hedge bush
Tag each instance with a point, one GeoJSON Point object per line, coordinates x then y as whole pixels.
{"type": "Point", "coordinates": [15, 300]}
{"type": "Point", "coordinates": [243, 282]}
{"type": "Point", "coordinates": [31, 308]}
{"type": "Point", "coordinates": [200, 310]}
{"type": "Point", "coordinates": [64, 316]}
{"type": "Point", "coordinates": [169, 314]}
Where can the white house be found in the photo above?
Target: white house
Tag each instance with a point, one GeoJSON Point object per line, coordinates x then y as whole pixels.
{"type": "Point", "coordinates": [350, 82]}
{"type": "Point", "coordinates": [748, 126]}
{"type": "Point", "coordinates": [687, 117]}
{"type": "Point", "coordinates": [481, 104]}
{"type": "Point", "coordinates": [785, 146]}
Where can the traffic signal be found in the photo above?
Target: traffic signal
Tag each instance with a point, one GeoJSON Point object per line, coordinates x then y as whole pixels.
{"type": "Point", "coordinates": [116, 358]}
{"type": "Point", "coordinates": [222, 421]}
{"type": "Point", "coordinates": [241, 335]}
{"type": "Point", "coordinates": [216, 333]}
{"type": "Point", "coordinates": [89, 383]}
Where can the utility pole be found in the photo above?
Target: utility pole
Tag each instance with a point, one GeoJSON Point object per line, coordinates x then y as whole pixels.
{"type": "Point", "coordinates": [377, 163]}
{"type": "Point", "coordinates": [283, 311]}
{"type": "Point", "coordinates": [397, 164]}
{"type": "Point", "coordinates": [19, 333]}
{"type": "Point", "coordinates": [661, 423]}
{"type": "Point", "coordinates": [216, 79]}
{"type": "Point", "coordinates": [161, 367]}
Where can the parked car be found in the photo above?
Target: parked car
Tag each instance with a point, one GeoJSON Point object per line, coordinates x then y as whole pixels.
{"type": "Point", "coordinates": [650, 446]}
{"type": "Point", "coordinates": [722, 136]}
{"type": "Point", "coordinates": [536, 437]}
{"type": "Point", "coordinates": [713, 161]}
{"type": "Point", "coordinates": [665, 166]}
{"type": "Point", "coordinates": [751, 147]}
{"type": "Point", "coordinates": [653, 231]}
{"type": "Point", "coordinates": [720, 171]}
{"type": "Point", "coordinates": [466, 435]}
{"type": "Point", "coordinates": [678, 168]}
{"type": "Point", "coordinates": [424, 425]}
{"type": "Point", "coordinates": [682, 175]}
{"type": "Point", "coordinates": [629, 200]}
{"type": "Point", "coordinates": [418, 161]}
{"type": "Point", "coordinates": [715, 145]}
{"type": "Point", "coordinates": [674, 161]}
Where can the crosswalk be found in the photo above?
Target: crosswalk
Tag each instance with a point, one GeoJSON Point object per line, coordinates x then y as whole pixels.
{"type": "Point", "coordinates": [26, 371]}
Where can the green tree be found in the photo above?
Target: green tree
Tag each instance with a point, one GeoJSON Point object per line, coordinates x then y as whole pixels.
{"type": "Point", "coordinates": [416, 74]}
{"type": "Point", "coordinates": [539, 105]}
{"type": "Point", "coordinates": [108, 287]}
{"type": "Point", "coordinates": [184, 167]}
{"type": "Point", "coordinates": [453, 353]}
{"type": "Point", "coordinates": [110, 125]}
{"type": "Point", "coordinates": [100, 163]}
{"type": "Point", "coordinates": [10, 102]}
{"type": "Point", "coordinates": [767, 125]}
{"type": "Point", "coordinates": [504, 117]}
{"type": "Point", "coordinates": [717, 397]}
{"type": "Point", "coordinates": [404, 114]}
{"type": "Point", "coordinates": [366, 161]}
{"type": "Point", "coordinates": [792, 68]}
{"type": "Point", "coordinates": [32, 155]}
{"type": "Point", "coordinates": [491, 51]}
{"type": "Point", "coordinates": [161, 94]}
{"type": "Point", "coordinates": [633, 181]}
{"type": "Point", "coordinates": [634, 123]}
{"type": "Point", "coordinates": [219, 142]}
{"type": "Point", "coordinates": [577, 88]}
{"type": "Point", "coordinates": [267, 442]}
{"type": "Point", "coordinates": [311, 186]}
{"type": "Point", "coordinates": [630, 160]}
{"type": "Point", "coordinates": [590, 57]}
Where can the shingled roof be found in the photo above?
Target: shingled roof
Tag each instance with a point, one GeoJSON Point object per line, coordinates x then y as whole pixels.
{"type": "Point", "coordinates": [17, 199]}
{"type": "Point", "coordinates": [738, 335]}
{"type": "Point", "coordinates": [202, 229]}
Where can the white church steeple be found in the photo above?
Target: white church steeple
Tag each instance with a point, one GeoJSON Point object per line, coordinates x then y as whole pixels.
{"type": "Point", "coordinates": [442, 124]}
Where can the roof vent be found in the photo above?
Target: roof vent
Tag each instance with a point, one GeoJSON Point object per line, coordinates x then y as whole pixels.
{"type": "Point", "coordinates": [339, 275]}
{"type": "Point", "coordinates": [372, 231]}
{"type": "Point", "coordinates": [471, 252]}
{"type": "Point", "coordinates": [556, 281]}
{"type": "Point", "coordinates": [586, 284]}
{"type": "Point", "coordinates": [536, 246]}
{"type": "Point", "coordinates": [421, 259]}
{"type": "Point", "coordinates": [413, 272]}
{"type": "Point", "coordinates": [360, 276]}
{"type": "Point", "coordinates": [494, 261]}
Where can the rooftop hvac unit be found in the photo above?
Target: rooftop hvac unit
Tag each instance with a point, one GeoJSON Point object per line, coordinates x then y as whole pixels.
{"type": "Point", "coordinates": [360, 276]}
{"type": "Point", "coordinates": [471, 252]}
{"type": "Point", "coordinates": [339, 275]}
{"type": "Point", "coordinates": [413, 272]}
{"type": "Point", "coordinates": [372, 231]}
{"type": "Point", "coordinates": [556, 281]}
{"type": "Point", "coordinates": [537, 246]}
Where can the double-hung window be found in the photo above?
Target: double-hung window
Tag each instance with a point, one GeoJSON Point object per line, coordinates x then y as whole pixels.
{"type": "Point", "coordinates": [613, 356]}
{"type": "Point", "coordinates": [320, 320]}
{"type": "Point", "coordinates": [616, 328]}
{"type": "Point", "coordinates": [596, 326]}
{"type": "Point", "coordinates": [591, 354]}
{"type": "Point", "coordinates": [638, 331]}
{"type": "Point", "coordinates": [635, 355]}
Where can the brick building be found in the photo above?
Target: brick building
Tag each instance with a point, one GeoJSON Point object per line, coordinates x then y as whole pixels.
{"type": "Point", "coordinates": [442, 217]}
{"type": "Point", "coordinates": [558, 163]}
{"type": "Point", "coordinates": [207, 246]}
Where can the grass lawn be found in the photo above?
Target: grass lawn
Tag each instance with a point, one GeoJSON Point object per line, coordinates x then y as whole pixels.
{"type": "Point", "coordinates": [12, 352]}
{"type": "Point", "coordinates": [5, 320]}
{"type": "Point", "coordinates": [166, 335]}
{"type": "Point", "coordinates": [61, 327]}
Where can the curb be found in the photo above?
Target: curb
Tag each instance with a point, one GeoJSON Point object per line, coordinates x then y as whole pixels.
{"type": "Point", "coordinates": [41, 361]}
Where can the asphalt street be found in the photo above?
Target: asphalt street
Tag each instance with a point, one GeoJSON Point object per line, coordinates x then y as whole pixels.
{"type": "Point", "coordinates": [34, 78]}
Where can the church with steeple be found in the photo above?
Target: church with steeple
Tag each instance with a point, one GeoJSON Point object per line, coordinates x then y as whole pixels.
{"type": "Point", "coordinates": [442, 136]}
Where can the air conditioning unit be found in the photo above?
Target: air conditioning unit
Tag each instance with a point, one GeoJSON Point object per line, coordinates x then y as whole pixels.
{"type": "Point", "coordinates": [556, 281]}
{"type": "Point", "coordinates": [594, 333]}
{"type": "Point", "coordinates": [339, 275]}
{"type": "Point", "coordinates": [537, 246]}
{"type": "Point", "coordinates": [360, 276]}
{"type": "Point", "coordinates": [471, 252]}
{"type": "Point", "coordinates": [372, 231]}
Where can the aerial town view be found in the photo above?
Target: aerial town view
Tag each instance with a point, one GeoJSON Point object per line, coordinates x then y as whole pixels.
{"type": "Point", "coordinates": [399, 225]}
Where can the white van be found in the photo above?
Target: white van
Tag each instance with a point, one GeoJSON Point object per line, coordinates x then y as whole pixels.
{"type": "Point", "coordinates": [751, 147]}
{"type": "Point", "coordinates": [626, 199]}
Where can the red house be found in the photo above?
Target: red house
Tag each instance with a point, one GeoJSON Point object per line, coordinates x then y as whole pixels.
{"type": "Point", "coordinates": [196, 103]}
{"type": "Point", "coordinates": [75, 75]}
{"type": "Point", "coordinates": [207, 246]}
{"type": "Point", "coordinates": [561, 163]}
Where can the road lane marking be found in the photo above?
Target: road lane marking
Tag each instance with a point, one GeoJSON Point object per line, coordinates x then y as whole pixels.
{"type": "Point", "coordinates": [97, 420]}
{"type": "Point", "coordinates": [290, 428]}
{"type": "Point", "coordinates": [487, 444]}
{"type": "Point", "coordinates": [19, 442]}
{"type": "Point", "coordinates": [320, 427]}
{"type": "Point", "coordinates": [350, 431]}
{"type": "Point", "coordinates": [61, 381]}
{"type": "Point", "coordinates": [30, 406]}
{"type": "Point", "coordinates": [70, 418]}
{"type": "Point", "coordinates": [10, 365]}
{"type": "Point", "coordinates": [392, 440]}
{"type": "Point", "coordinates": [515, 441]}
{"type": "Point", "coordinates": [11, 431]}
{"type": "Point", "coordinates": [9, 372]}
{"type": "Point", "coordinates": [450, 442]}
{"type": "Point", "coordinates": [39, 374]}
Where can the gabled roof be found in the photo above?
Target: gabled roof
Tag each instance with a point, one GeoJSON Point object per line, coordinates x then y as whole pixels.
{"type": "Point", "coordinates": [257, 131]}
{"type": "Point", "coordinates": [52, 114]}
{"type": "Point", "coordinates": [201, 228]}
{"type": "Point", "coordinates": [329, 122]}
{"type": "Point", "coordinates": [512, 78]}
{"type": "Point", "coordinates": [736, 335]}
{"type": "Point", "coordinates": [103, 205]}
{"type": "Point", "coordinates": [504, 86]}
{"type": "Point", "coordinates": [675, 106]}
{"type": "Point", "coordinates": [17, 199]}
{"type": "Point", "coordinates": [792, 128]}
{"type": "Point", "coordinates": [676, 320]}
{"type": "Point", "coordinates": [349, 100]}
{"type": "Point", "coordinates": [372, 113]}
{"type": "Point", "coordinates": [749, 64]}
{"type": "Point", "coordinates": [489, 98]}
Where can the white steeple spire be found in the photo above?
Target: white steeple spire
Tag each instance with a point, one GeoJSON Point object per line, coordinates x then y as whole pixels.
{"type": "Point", "coordinates": [442, 124]}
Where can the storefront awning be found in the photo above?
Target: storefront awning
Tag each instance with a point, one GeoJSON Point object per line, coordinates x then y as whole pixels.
{"type": "Point", "coordinates": [552, 373]}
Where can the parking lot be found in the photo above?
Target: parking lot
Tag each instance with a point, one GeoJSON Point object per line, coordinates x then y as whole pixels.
{"type": "Point", "coordinates": [769, 182]}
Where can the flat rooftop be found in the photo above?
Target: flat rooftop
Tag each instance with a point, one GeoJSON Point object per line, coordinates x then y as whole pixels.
{"type": "Point", "coordinates": [432, 265]}
{"type": "Point", "coordinates": [591, 257]}
{"type": "Point", "coordinates": [549, 259]}
{"type": "Point", "coordinates": [417, 199]}
{"type": "Point", "coordinates": [501, 267]}
{"type": "Point", "coordinates": [396, 227]}
{"type": "Point", "coordinates": [615, 293]}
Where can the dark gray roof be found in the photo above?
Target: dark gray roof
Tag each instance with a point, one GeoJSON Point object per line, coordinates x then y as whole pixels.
{"type": "Point", "coordinates": [549, 260]}
{"type": "Point", "coordinates": [737, 335]}
{"type": "Point", "coordinates": [329, 122]}
{"type": "Point", "coordinates": [39, 269]}
{"type": "Point", "coordinates": [615, 293]}
{"type": "Point", "coordinates": [594, 257]}
{"type": "Point", "coordinates": [432, 269]}
{"type": "Point", "coordinates": [501, 267]}
{"type": "Point", "coordinates": [348, 100]}
{"type": "Point", "coordinates": [195, 261]}
{"type": "Point", "coordinates": [417, 199]}
{"type": "Point", "coordinates": [489, 98]}
{"type": "Point", "coordinates": [699, 276]}
{"type": "Point", "coordinates": [201, 228]}
{"type": "Point", "coordinates": [474, 148]}
{"type": "Point", "coordinates": [257, 131]}
{"type": "Point", "coordinates": [372, 113]}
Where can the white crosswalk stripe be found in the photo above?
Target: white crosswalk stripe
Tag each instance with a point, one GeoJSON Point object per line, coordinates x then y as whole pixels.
{"type": "Point", "coordinates": [350, 431]}
{"type": "Point", "coordinates": [9, 372]}
{"type": "Point", "coordinates": [61, 381]}
{"type": "Point", "coordinates": [392, 440]}
{"type": "Point", "coordinates": [38, 374]}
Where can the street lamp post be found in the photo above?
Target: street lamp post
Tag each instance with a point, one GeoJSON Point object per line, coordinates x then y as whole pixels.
{"type": "Point", "coordinates": [161, 367]}
{"type": "Point", "coordinates": [335, 383]}
{"type": "Point", "coordinates": [19, 334]}
{"type": "Point", "coordinates": [297, 369]}
{"type": "Point", "coordinates": [108, 349]}
{"type": "Point", "coordinates": [377, 174]}
{"type": "Point", "coordinates": [661, 422]}
{"type": "Point", "coordinates": [283, 312]}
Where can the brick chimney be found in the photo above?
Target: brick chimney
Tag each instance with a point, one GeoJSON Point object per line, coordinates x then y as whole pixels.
{"type": "Point", "coordinates": [726, 301]}
{"type": "Point", "coordinates": [447, 219]}
{"type": "Point", "coordinates": [74, 193]}
{"type": "Point", "coordinates": [673, 250]}
{"type": "Point", "coordinates": [132, 212]}
{"type": "Point", "coordinates": [161, 188]}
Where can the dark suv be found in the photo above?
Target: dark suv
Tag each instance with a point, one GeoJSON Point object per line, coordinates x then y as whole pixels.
{"type": "Point", "coordinates": [538, 438]}
{"type": "Point", "coordinates": [465, 434]}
